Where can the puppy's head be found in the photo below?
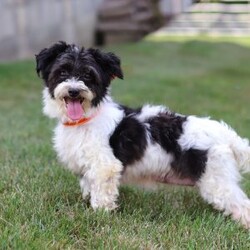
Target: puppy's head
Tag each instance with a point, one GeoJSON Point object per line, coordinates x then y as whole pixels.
{"type": "Point", "coordinates": [76, 79]}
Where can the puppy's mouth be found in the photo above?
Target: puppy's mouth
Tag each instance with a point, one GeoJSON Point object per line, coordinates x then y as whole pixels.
{"type": "Point", "coordinates": [74, 107]}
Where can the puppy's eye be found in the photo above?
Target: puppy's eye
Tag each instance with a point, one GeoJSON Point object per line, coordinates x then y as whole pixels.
{"type": "Point", "coordinates": [87, 74]}
{"type": "Point", "coordinates": [63, 73]}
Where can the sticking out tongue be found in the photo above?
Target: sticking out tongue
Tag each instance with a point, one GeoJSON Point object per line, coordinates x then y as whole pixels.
{"type": "Point", "coordinates": [74, 109]}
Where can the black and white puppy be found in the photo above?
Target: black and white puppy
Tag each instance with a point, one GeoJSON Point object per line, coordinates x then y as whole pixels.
{"type": "Point", "coordinates": [107, 144]}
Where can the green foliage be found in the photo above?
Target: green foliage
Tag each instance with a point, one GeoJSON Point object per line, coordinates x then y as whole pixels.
{"type": "Point", "coordinates": [40, 202]}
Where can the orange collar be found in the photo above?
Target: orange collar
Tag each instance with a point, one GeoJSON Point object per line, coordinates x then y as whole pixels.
{"type": "Point", "coordinates": [79, 122]}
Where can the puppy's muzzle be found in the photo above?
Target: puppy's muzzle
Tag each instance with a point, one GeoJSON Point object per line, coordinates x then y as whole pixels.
{"type": "Point", "coordinates": [74, 93]}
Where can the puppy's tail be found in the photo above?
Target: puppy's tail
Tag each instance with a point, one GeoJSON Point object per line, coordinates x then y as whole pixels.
{"type": "Point", "coordinates": [241, 150]}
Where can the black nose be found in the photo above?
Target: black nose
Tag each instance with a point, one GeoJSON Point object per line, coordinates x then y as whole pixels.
{"type": "Point", "coordinates": [74, 93]}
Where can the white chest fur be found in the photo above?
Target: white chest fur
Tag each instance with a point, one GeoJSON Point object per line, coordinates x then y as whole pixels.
{"type": "Point", "coordinates": [79, 146]}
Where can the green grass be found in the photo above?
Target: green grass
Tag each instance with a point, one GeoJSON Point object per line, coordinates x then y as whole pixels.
{"type": "Point", "coordinates": [40, 202]}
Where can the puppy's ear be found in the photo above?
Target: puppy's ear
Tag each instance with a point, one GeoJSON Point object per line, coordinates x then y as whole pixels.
{"type": "Point", "coordinates": [109, 62]}
{"type": "Point", "coordinates": [46, 58]}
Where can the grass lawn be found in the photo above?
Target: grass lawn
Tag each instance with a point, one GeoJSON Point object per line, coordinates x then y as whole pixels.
{"type": "Point", "coordinates": [40, 202]}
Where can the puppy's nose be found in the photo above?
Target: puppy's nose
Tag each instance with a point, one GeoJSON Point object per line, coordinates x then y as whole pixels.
{"type": "Point", "coordinates": [74, 92]}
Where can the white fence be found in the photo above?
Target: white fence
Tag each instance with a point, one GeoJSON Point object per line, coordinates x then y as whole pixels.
{"type": "Point", "coordinates": [27, 26]}
{"type": "Point", "coordinates": [173, 7]}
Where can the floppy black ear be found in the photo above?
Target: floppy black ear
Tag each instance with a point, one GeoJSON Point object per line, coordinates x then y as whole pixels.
{"type": "Point", "coordinates": [46, 58]}
{"type": "Point", "coordinates": [109, 62]}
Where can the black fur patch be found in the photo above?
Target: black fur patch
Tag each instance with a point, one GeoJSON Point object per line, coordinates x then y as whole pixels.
{"type": "Point", "coordinates": [166, 129]}
{"type": "Point", "coordinates": [129, 140]}
{"type": "Point", "coordinates": [191, 163]}
{"type": "Point", "coordinates": [46, 58]}
{"type": "Point", "coordinates": [130, 111]}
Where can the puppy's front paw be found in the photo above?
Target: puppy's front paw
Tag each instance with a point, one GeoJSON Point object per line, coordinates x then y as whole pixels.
{"type": "Point", "coordinates": [106, 203]}
{"type": "Point", "coordinates": [85, 188]}
{"type": "Point", "coordinates": [104, 189]}
{"type": "Point", "coordinates": [85, 195]}
{"type": "Point", "coordinates": [104, 196]}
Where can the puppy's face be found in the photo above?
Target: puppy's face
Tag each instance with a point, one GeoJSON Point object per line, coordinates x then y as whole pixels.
{"type": "Point", "coordinates": [76, 79]}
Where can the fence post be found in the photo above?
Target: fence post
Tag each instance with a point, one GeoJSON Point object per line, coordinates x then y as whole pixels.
{"type": "Point", "coordinates": [21, 24]}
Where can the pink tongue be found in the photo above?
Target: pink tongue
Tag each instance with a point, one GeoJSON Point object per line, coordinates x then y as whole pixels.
{"type": "Point", "coordinates": [74, 110]}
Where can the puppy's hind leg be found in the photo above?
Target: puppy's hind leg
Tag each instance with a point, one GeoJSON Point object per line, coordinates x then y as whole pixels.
{"type": "Point", "coordinates": [219, 185]}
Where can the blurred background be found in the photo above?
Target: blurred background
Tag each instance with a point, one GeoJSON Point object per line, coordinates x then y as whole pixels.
{"type": "Point", "coordinates": [30, 25]}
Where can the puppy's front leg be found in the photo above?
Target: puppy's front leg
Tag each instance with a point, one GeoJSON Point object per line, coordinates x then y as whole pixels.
{"type": "Point", "coordinates": [103, 185]}
{"type": "Point", "coordinates": [85, 187]}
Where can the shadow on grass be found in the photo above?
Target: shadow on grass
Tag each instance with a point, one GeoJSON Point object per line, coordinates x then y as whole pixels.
{"type": "Point", "coordinates": [162, 203]}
